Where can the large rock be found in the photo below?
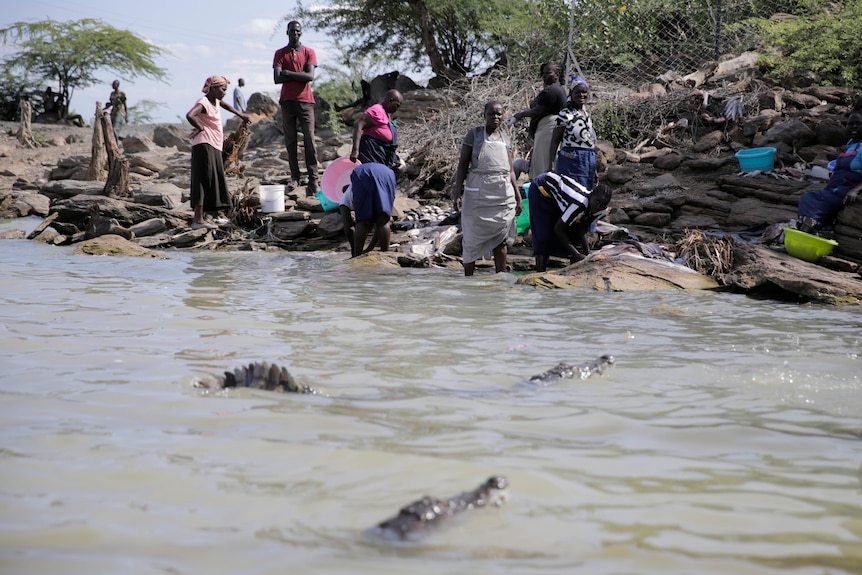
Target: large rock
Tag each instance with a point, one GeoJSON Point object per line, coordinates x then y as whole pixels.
{"type": "Point", "coordinates": [172, 135]}
{"type": "Point", "coordinates": [134, 144]}
{"type": "Point", "coordinates": [747, 212]}
{"type": "Point", "coordinates": [668, 162]}
{"type": "Point", "coordinates": [760, 123]}
{"type": "Point", "coordinates": [65, 189]}
{"type": "Point", "coordinates": [111, 245]}
{"type": "Point", "coordinates": [292, 230]}
{"type": "Point", "coordinates": [624, 272]}
{"type": "Point", "coordinates": [848, 232]}
{"type": "Point", "coordinates": [70, 168]}
{"type": "Point", "coordinates": [793, 133]}
{"type": "Point", "coordinates": [832, 94]}
{"type": "Point", "coordinates": [831, 133]}
{"type": "Point", "coordinates": [662, 183]}
{"type": "Point", "coordinates": [143, 167]}
{"type": "Point", "coordinates": [708, 142]}
{"type": "Point", "coordinates": [653, 219]}
{"type": "Point", "coordinates": [420, 104]}
{"type": "Point", "coordinates": [164, 194]}
{"type": "Point", "coordinates": [757, 269]}
{"type": "Point", "coordinates": [22, 203]}
{"type": "Point", "coordinates": [619, 174]}
{"type": "Point", "coordinates": [330, 226]}
{"type": "Point", "coordinates": [264, 133]}
{"type": "Point", "coordinates": [81, 208]}
{"type": "Point", "coordinates": [262, 104]}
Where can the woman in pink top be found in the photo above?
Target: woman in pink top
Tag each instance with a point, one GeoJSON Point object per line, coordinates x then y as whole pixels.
{"type": "Point", "coordinates": [209, 191]}
{"type": "Point", "coordinates": [375, 137]}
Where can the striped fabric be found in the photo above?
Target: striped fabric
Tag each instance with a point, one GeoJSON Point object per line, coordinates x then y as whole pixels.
{"type": "Point", "coordinates": [571, 197]}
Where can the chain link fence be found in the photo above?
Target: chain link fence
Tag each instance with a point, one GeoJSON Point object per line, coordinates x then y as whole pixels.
{"type": "Point", "coordinates": [629, 43]}
{"type": "Point", "coordinates": [622, 47]}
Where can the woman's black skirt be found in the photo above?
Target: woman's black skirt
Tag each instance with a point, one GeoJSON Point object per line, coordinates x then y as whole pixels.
{"type": "Point", "coordinates": [209, 187]}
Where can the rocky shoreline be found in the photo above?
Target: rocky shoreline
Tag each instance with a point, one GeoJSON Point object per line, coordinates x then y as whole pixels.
{"type": "Point", "coordinates": [662, 192]}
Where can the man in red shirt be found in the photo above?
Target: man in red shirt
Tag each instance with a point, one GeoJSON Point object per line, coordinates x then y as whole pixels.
{"type": "Point", "coordinates": [293, 67]}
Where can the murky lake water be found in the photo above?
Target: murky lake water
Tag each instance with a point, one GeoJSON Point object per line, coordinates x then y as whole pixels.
{"type": "Point", "coordinates": [726, 439]}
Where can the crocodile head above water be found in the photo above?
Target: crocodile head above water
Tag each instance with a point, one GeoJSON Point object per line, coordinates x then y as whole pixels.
{"type": "Point", "coordinates": [579, 371]}
{"type": "Point", "coordinates": [271, 377]}
{"type": "Point", "coordinates": [414, 520]}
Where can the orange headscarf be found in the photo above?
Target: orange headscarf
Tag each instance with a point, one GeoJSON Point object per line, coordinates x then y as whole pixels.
{"type": "Point", "coordinates": [214, 81]}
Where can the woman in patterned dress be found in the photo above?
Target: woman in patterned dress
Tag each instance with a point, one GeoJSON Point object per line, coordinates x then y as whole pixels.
{"type": "Point", "coordinates": [574, 130]}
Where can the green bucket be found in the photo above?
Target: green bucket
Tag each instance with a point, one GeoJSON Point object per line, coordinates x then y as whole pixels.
{"type": "Point", "coordinates": [522, 222]}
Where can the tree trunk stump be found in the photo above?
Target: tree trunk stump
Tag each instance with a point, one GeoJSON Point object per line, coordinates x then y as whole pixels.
{"type": "Point", "coordinates": [98, 159]}
{"type": "Point", "coordinates": [117, 185]}
{"type": "Point", "coordinates": [25, 133]}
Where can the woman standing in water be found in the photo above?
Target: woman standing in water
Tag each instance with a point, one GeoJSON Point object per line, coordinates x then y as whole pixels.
{"type": "Point", "coordinates": [209, 192]}
{"type": "Point", "coordinates": [486, 195]}
{"type": "Point", "coordinates": [574, 130]}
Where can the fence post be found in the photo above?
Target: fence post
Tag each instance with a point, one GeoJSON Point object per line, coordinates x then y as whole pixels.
{"type": "Point", "coordinates": [718, 29]}
{"type": "Point", "coordinates": [570, 55]}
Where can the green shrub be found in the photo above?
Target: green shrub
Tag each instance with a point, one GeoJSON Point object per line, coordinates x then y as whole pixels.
{"type": "Point", "coordinates": [826, 47]}
{"type": "Point", "coordinates": [610, 120]}
{"type": "Point", "coordinates": [336, 91]}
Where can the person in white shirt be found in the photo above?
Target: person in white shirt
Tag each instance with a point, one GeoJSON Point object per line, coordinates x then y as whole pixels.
{"type": "Point", "coordinates": [238, 96]}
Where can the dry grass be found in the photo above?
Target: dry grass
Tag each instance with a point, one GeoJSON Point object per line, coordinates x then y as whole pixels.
{"type": "Point", "coordinates": [436, 140]}
{"type": "Point", "coordinates": [631, 123]}
{"type": "Point", "coordinates": [234, 148]}
{"type": "Point", "coordinates": [710, 256]}
{"type": "Point", "coordinates": [246, 204]}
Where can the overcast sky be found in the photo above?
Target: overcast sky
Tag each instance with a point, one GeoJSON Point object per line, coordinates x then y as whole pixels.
{"type": "Point", "coordinates": [234, 39]}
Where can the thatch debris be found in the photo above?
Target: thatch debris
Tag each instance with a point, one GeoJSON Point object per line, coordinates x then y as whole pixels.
{"type": "Point", "coordinates": [712, 256]}
{"type": "Point", "coordinates": [234, 147]}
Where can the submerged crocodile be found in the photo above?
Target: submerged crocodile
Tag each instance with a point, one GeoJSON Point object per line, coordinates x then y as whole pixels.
{"type": "Point", "coordinates": [271, 377]}
{"type": "Point", "coordinates": [414, 520]}
{"type": "Point", "coordinates": [258, 375]}
{"type": "Point", "coordinates": [579, 371]}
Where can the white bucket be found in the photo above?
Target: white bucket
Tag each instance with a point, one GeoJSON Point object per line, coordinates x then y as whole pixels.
{"type": "Point", "coordinates": [271, 198]}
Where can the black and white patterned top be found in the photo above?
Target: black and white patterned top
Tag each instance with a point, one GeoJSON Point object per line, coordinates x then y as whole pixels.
{"type": "Point", "coordinates": [578, 128]}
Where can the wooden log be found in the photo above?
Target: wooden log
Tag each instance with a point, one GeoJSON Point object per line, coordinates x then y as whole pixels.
{"type": "Point", "coordinates": [98, 160]}
{"type": "Point", "coordinates": [695, 79]}
{"type": "Point", "coordinates": [25, 133]}
{"type": "Point", "coordinates": [43, 226]}
{"type": "Point", "coordinates": [117, 184]}
{"type": "Point", "coordinates": [127, 213]}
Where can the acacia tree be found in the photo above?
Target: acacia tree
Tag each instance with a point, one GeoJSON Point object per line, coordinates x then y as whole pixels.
{"type": "Point", "coordinates": [453, 37]}
{"type": "Point", "coordinates": [70, 53]}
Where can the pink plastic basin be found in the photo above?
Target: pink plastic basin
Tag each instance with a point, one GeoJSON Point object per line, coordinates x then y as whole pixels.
{"type": "Point", "coordinates": [336, 177]}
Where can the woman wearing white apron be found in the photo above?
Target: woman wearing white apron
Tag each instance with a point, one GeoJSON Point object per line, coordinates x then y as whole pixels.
{"type": "Point", "coordinates": [486, 195]}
